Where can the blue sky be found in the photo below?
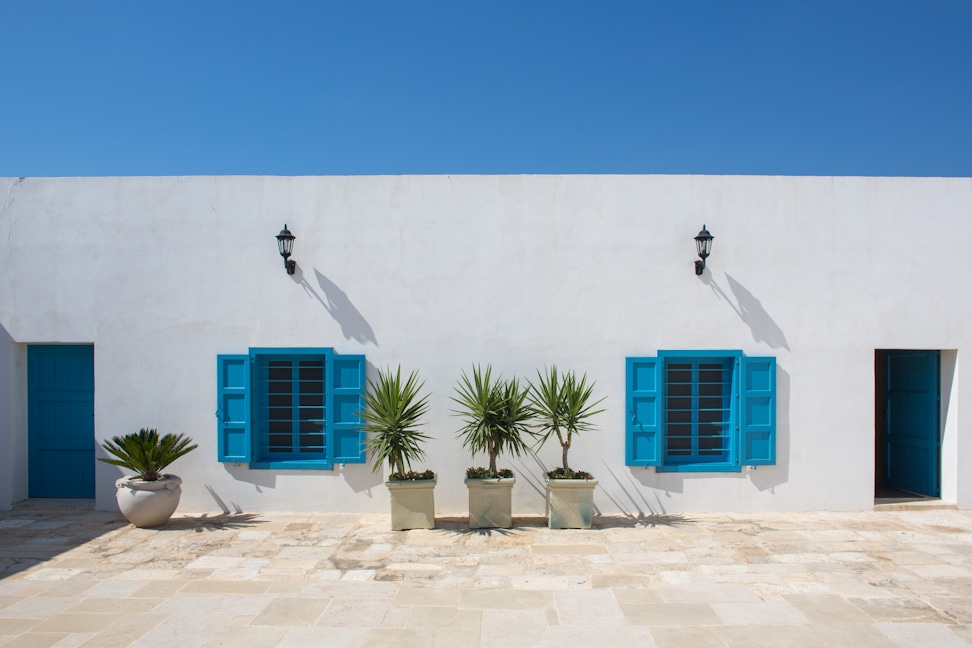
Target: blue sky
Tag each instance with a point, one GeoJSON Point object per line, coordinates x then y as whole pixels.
{"type": "Point", "coordinates": [305, 88]}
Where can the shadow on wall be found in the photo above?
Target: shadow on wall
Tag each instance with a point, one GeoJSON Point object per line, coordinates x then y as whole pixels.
{"type": "Point", "coordinates": [630, 497]}
{"type": "Point", "coordinates": [361, 478]}
{"type": "Point", "coordinates": [358, 476]}
{"type": "Point", "coordinates": [636, 510]}
{"type": "Point", "coordinates": [751, 312]}
{"type": "Point", "coordinates": [336, 302]}
{"type": "Point", "coordinates": [764, 478]}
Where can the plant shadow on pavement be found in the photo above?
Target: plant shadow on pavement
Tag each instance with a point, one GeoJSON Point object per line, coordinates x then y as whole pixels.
{"type": "Point", "coordinates": [205, 522]}
{"type": "Point", "coordinates": [459, 524]}
{"type": "Point", "coordinates": [641, 519]}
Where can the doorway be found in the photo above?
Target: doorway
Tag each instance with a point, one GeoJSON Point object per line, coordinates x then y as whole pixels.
{"type": "Point", "coordinates": [907, 423]}
{"type": "Point", "coordinates": [60, 421]}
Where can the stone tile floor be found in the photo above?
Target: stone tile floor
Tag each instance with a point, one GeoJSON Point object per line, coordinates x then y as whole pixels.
{"type": "Point", "coordinates": [866, 579]}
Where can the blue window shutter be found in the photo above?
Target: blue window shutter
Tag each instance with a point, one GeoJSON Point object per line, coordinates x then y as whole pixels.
{"type": "Point", "coordinates": [757, 412]}
{"type": "Point", "coordinates": [345, 398]}
{"type": "Point", "coordinates": [233, 408]}
{"type": "Point", "coordinates": [644, 401]}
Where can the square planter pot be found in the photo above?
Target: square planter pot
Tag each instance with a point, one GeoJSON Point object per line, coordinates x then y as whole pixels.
{"type": "Point", "coordinates": [570, 503]}
{"type": "Point", "coordinates": [490, 503]}
{"type": "Point", "coordinates": [412, 504]}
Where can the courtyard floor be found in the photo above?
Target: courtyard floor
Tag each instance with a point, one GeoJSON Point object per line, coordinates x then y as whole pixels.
{"type": "Point", "coordinates": [867, 579]}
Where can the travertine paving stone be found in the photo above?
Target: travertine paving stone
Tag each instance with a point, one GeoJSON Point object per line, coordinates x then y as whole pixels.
{"type": "Point", "coordinates": [865, 579]}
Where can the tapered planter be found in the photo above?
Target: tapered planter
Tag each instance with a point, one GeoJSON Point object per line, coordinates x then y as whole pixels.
{"type": "Point", "coordinates": [570, 503]}
{"type": "Point", "coordinates": [490, 503]}
{"type": "Point", "coordinates": [148, 503]}
{"type": "Point", "coordinates": [412, 504]}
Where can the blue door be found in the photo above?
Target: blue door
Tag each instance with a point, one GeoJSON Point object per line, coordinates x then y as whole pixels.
{"type": "Point", "coordinates": [912, 421]}
{"type": "Point", "coordinates": [60, 421]}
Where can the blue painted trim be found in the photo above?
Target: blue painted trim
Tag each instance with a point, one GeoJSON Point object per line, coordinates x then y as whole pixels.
{"type": "Point", "coordinates": [757, 439]}
{"type": "Point", "coordinates": [643, 437]}
{"type": "Point", "coordinates": [332, 428]}
{"type": "Point", "coordinates": [701, 467]}
{"type": "Point", "coordinates": [292, 465]}
{"type": "Point", "coordinates": [700, 354]}
{"type": "Point", "coordinates": [290, 351]}
{"type": "Point", "coordinates": [346, 428]}
{"type": "Point", "coordinates": [236, 433]}
{"type": "Point", "coordinates": [737, 393]}
{"type": "Point", "coordinates": [259, 356]}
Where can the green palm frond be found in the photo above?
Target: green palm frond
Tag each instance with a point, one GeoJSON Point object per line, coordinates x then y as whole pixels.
{"type": "Point", "coordinates": [562, 406]}
{"type": "Point", "coordinates": [496, 416]}
{"type": "Point", "coordinates": [146, 453]}
{"type": "Point", "coordinates": [393, 411]}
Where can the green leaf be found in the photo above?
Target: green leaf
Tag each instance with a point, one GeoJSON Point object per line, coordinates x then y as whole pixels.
{"type": "Point", "coordinates": [145, 453]}
{"type": "Point", "coordinates": [562, 405]}
{"type": "Point", "coordinates": [496, 416]}
{"type": "Point", "coordinates": [392, 414]}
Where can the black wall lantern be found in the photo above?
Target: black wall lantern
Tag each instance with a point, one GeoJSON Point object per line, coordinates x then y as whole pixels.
{"type": "Point", "coordinates": [285, 243]}
{"type": "Point", "coordinates": [703, 242]}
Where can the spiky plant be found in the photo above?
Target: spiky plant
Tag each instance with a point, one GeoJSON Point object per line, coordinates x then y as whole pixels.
{"type": "Point", "coordinates": [561, 403]}
{"type": "Point", "coordinates": [146, 453]}
{"type": "Point", "coordinates": [392, 413]}
{"type": "Point", "coordinates": [496, 415]}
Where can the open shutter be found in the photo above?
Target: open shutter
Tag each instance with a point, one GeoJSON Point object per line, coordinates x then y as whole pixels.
{"type": "Point", "coordinates": [757, 412]}
{"type": "Point", "coordinates": [643, 414]}
{"type": "Point", "coordinates": [345, 398]}
{"type": "Point", "coordinates": [233, 407]}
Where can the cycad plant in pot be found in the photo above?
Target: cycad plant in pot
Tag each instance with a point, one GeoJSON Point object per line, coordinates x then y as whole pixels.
{"type": "Point", "coordinates": [562, 405]}
{"type": "Point", "coordinates": [148, 498]}
{"type": "Point", "coordinates": [392, 415]}
{"type": "Point", "coordinates": [496, 418]}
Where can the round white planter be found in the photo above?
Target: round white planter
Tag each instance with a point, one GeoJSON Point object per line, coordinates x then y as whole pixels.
{"type": "Point", "coordinates": [148, 503]}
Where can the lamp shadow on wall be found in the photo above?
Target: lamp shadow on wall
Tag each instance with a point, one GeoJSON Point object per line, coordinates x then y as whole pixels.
{"type": "Point", "coordinates": [750, 310]}
{"type": "Point", "coordinates": [338, 305]}
{"type": "Point", "coordinates": [764, 478]}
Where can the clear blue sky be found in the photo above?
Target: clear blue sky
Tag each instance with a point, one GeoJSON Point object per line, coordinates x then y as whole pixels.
{"type": "Point", "coordinates": [840, 87]}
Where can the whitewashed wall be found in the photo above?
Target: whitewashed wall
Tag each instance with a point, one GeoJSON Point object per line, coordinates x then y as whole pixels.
{"type": "Point", "coordinates": [440, 272]}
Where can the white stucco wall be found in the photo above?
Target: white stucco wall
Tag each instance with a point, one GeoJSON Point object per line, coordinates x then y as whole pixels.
{"type": "Point", "coordinates": [440, 272]}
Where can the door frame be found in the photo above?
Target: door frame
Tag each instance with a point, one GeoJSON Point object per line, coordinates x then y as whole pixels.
{"type": "Point", "coordinates": [882, 422]}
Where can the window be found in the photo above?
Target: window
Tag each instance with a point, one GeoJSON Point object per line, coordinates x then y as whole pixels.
{"type": "Point", "coordinates": [290, 408]}
{"type": "Point", "coordinates": [701, 411]}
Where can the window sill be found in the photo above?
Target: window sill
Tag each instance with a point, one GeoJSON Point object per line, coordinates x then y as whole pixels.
{"type": "Point", "coordinates": [700, 468]}
{"type": "Point", "coordinates": [293, 464]}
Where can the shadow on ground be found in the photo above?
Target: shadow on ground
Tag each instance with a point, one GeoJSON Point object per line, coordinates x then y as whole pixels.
{"type": "Point", "coordinates": [31, 537]}
{"type": "Point", "coordinates": [460, 524]}
{"type": "Point", "coordinates": [206, 522]}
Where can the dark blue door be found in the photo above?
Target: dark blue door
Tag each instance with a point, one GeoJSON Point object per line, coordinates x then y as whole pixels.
{"type": "Point", "coordinates": [60, 421]}
{"type": "Point", "coordinates": [911, 431]}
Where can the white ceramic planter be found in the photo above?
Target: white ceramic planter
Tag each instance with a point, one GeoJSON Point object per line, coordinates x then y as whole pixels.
{"type": "Point", "coordinates": [148, 503]}
{"type": "Point", "coordinates": [570, 503]}
{"type": "Point", "coordinates": [412, 504]}
{"type": "Point", "coordinates": [490, 503]}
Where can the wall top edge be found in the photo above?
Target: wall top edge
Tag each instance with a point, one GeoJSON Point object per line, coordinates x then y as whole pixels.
{"type": "Point", "coordinates": [494, 175]}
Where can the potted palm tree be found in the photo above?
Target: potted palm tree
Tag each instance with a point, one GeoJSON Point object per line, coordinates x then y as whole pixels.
{"type": "Point", "coordinates": [563, 408]}
{"type": "Point", "coordinates": [392, 415]}
{"type": "Point", "coordinates": [496, 419]}
{"type": "Point", "coordinates": [149, 497]}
